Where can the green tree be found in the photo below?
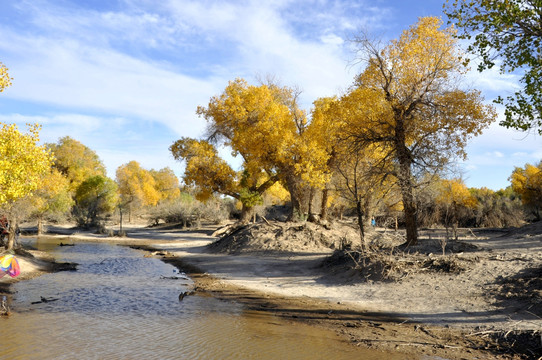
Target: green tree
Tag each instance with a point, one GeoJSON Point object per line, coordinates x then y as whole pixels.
{"type": "Point", "coordinates": [501, 208]}
{"type": "Point", "coordinates": [95, 198]}
{"type": "Point", "coordinates": [417, 114]}
{"type": "Point", "coordinates": [507, 33]}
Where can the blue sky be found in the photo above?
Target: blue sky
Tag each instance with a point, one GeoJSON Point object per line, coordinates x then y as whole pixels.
{"type": "Point", "coordinates": [124, 77]}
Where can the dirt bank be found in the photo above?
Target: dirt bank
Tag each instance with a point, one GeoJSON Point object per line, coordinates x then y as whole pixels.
{"type": "Point", "coordinates": [480, 300]}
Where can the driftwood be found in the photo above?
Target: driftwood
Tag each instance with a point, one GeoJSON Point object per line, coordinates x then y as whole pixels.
{"type": "Point", "coordinates": [185, 293]}
{"type": "Point", "coordinates": [43, 300]}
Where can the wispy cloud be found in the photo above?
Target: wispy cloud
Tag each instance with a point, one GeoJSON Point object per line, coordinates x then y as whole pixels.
{"type": "Point", "coordinates": [88, 58]}
{"type": "Point", "coordinates": [125, 77]}
{"type": "Point", "coordinates": [81, 77]}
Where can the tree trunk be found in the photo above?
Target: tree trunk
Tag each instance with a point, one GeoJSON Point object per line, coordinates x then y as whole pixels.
{"type": "Point", "coordinates": [120, 220]}
{"type": "Point", "coordinates": [246, 214]}
{"type": "Point", "coordinates": [359, 212]}
{"type": "Point", "coordinates": [368, 210]}
{"type": "Point", "coordinates": [40, 226]}
{"type": "Point", "coordinates": [298, 199]}
{"type": "Point", "coordinates": [12, 233]}
{"type": "Point", "coordinates": [404, 177]}
{"type": "Point", "coordinates": [323, 210]}
{"type": "Point", "coordinates": [411, 222]}
{"type": "Point", "coordinates": [312, 217]}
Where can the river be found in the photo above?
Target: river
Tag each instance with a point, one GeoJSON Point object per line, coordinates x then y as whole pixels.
{"type": "Point", "coordinates": [122, 305]}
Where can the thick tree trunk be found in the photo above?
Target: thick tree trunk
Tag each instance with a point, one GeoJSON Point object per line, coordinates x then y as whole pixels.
{"type": "Point", "coordinates": [312, 217]}
{"type": "Point", "coordinates": [246, 214]}
{"type": "Point", "coordinates": [405, 184]}
{"type": "Point", "coordinates": [410, 211]}
{"type": "Point", "coordinates": [298, 198]}
{"type": "Point", "coordinates": [368, 210]}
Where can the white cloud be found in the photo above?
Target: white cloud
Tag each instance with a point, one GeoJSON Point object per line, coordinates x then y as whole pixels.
{"type": "Point", "coordinates": [79, 68]}
{"type": "Point", "coordinates": [55, 126]}
{"type": "Point", "coordinates": [74, 76]}
{"type": "Point", "coordinates": [115, 78]}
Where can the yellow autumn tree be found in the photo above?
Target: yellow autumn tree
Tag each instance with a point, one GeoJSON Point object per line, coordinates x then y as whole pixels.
{"type": "Point", "coordinates": [262, 124]}
{"type": "Point", "coordinates": [23, 162]}
{"type": "Point", "coordinates": [527, 182]}
{"type": "Point", "coordinates": [5, 79]}
{"type": "Point", "coordinates": [76, 161]}
{"type": "Point", "coordinates": [208, 173]}
{"type": "Point", "coordinates": [166, 184]}
{"type": "Point", "coordinates": [276, 195]}
{"type": "Point", "coordinates": [52, 197]}
{"type": "Point", "coordinates": [454, 198]}
{"type": "Point", "coordinates": [137, 187]}
{"type": "Point", "coordinates": [425, 118]}
{"type": "Point", "coordinates": [317, 150]}
{"type": "Point", "coordinates": [359, 169]}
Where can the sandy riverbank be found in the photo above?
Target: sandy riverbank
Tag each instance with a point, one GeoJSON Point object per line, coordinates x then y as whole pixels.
{"type": "Point", "coordinates": [32, 263]}
{"type": "Point", "coordinates": [451, 315]}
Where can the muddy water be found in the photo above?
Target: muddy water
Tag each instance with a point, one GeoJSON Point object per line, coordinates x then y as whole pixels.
{"type": "Point", "coordinates": [121, 305]}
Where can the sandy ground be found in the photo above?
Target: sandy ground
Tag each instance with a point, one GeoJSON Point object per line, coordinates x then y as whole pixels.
{"type": "Point", "coordinates": [474, 303]}
{"type": "Point", "coordinates": [475, 313]}
{"type": "Point", "coordinates": [462, 300]}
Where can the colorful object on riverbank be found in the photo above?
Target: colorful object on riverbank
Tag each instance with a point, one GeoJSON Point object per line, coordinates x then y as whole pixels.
{"type": "Point", "coordinates": [9, 265]}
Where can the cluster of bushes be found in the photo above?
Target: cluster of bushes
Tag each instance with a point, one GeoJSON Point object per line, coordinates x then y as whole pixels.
{"type": "Point", "coordinates": [487, 208]}
{"type": "Point", "coordinates": [189, 212]}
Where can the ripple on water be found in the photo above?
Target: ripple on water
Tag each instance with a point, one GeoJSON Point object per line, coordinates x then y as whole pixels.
{"type": "Point", "coordinates": [117, 306]}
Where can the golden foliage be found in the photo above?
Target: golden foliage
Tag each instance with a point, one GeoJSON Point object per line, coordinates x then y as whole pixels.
{"type": "Point", "coordinates": [76, 161]}
{"type": "Point", "coordinates": [259, 122]}
{"type": "Point", "coordinates": [455, 193]}
{"type": "Point", "coordinates": [166, 183]}
{"type": "Point", "coordinates": [205, 169]}
{"type": "Point", "coordinates": [22, 162]}
{"type": "Point", "coordinates": [5, 79]}
{"type": "Point", "coordinates": [137, 184]}
{"type": "Point", "coordinates": [52, 194]}
{"type": "Point", "coordinates": [421, 118]}
{"type": "Point", "coordinates": [413, 82]}
{"type": "Point", "coordinates": [527, 182]}
{"type": "Point", "coordinates": [276, 195]}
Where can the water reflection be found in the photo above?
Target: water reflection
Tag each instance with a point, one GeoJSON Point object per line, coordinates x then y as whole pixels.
{"type": "Point", "coordinates": [119, 306]}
